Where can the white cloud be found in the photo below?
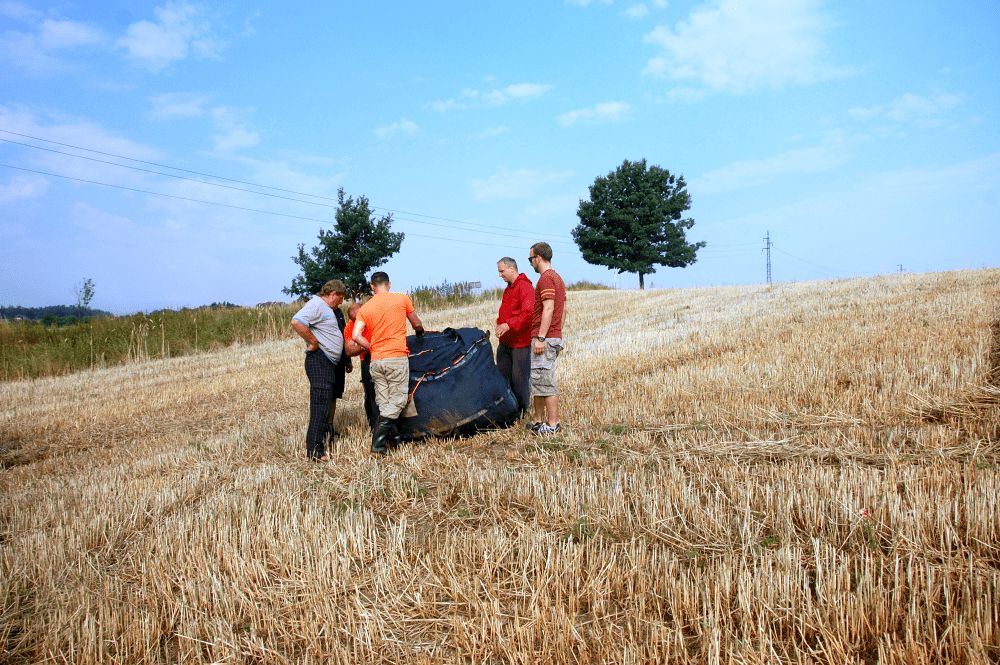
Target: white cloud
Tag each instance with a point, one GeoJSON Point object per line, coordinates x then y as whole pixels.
{"type": "Point", "coordinates": [233, 132]}
{"type": "Point", "coordinates": [18, 11]}
{"type": "Point", "coordinates": [180, 30]}
{"type": "Point", "coordinates": [77, 132]}
{"type": "Point", "coordinates": [232, 129]}
{"type": "Point", "coordinates": [637, 11]}
{"type": "Point", "coordinates": [39, 49]}
{"type": "Point", "coordinates": [911, 109]}
{"type": "Point", "coordinates": [471, 97]}
{"type": "Point", "coordinates": [756, 172]}
{"type": "Point", "coordinates": [403, 126]}
{"type": "Point", "coordinates": [742, 45]}
{"type": "Point", "coordinates": [27, 186]}
{"type": "Point", "coordinates": [516, 184]}
{"type": "Point", "coordinates": [178, 105]}
{"type": "Point", "coordinates": [603, 112]}
{"type": "Point", "coordinates": [492, 132]}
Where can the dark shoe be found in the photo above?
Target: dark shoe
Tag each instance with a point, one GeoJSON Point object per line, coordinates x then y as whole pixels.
{"type": "Point", "coordinates": [381, 436]}
{"type": "Point", "coordinates": [532, 427]}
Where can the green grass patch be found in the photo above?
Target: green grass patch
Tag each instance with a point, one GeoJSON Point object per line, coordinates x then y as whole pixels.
{"type": "Point", "coordinates": [30, 349]}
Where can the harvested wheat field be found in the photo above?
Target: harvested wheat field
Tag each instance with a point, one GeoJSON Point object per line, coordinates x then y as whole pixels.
{"type": "Point", "coordinates": [806, 473]}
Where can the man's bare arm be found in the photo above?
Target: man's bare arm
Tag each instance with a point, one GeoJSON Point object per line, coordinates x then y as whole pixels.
{"type": "Point", "coordinates": [306, 334]}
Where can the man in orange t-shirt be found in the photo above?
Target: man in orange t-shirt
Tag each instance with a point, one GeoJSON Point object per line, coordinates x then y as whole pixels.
{"type": "Point", "coordinates": [385, 317]}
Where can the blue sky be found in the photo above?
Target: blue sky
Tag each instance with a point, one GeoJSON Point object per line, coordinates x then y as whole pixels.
{"type": "Point", "coordinates": [862, 136]}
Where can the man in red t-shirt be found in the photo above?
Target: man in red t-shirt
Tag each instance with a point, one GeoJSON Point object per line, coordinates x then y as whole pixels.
{"type": "Point", "coordinates": [547, 342]}
{"type": "Point", "coordinates": [514, 331]}
{"type": "Point", "coordinates": [385, 317]}
{"type": "Point", "coordinates": [352, 348]}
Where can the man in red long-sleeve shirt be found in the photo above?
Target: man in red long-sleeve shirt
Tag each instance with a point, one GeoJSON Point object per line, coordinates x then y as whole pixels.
{"type": "Point", "coordinates": [514, 331]}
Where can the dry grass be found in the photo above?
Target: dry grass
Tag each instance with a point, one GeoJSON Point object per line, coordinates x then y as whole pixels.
{"type": "Point", "coordinates": [804, 474]}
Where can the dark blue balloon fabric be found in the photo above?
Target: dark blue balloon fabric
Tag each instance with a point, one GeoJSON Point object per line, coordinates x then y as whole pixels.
{"type": "Point", "coordinates": [456, 386]}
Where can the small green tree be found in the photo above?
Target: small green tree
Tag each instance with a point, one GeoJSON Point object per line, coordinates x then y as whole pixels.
{"type": "Point", "coordinates": [84, 293]}
{"type": "Point", "coordinates": [633, 221]}
{"type": "Point", "coordinates": [357, 244]}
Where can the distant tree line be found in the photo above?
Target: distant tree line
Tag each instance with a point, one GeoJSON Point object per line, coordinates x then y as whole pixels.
{"type": "Point", "coordinates": [52, 314]}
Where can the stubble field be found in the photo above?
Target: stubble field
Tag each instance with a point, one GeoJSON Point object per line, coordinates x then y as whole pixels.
{"type": "Point", "coordinates": [807, 473]}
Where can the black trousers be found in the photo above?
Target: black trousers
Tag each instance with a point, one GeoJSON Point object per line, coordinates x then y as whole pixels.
{"type": "Point", "coordinates": [322, 375]}
{"type": "Point", "coordinates": [371, 406]}
{"type": "Point", "coordinates": [515, 366]}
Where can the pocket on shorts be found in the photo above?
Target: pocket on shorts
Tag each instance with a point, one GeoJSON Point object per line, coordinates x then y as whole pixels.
{"type": "Point", "coordinates": [547, 358]}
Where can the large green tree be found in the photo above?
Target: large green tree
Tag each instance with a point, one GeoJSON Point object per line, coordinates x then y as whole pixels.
{"type": "Point", "coordinates": [357, 244]}
{"type": "Point", "coordinates": [633, 221]}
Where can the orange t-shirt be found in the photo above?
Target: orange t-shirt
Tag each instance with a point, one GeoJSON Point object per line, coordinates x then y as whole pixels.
{"type": "Point", "coordinates": [385, 318]}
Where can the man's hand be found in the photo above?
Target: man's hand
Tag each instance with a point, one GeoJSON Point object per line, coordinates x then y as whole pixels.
{"type": "Point", "coordinates": [312, 346]}
{"type": "Point", "coordinates": [419, 331]}
{"type": "Point", "coordinates": [538, 346]}
{"type": "Point", "coordinates": [502, 329]}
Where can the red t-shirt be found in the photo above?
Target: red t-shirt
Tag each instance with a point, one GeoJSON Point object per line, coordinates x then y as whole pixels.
{"type": "Point", "coordinates": [550, 286]}
{"type": "Point", "coordinates": [349, 334]}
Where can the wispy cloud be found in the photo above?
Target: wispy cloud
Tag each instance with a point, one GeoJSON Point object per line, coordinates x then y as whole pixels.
{"type": "Point", "coordinates": [41, 46]}
{"type": "Point", "coordinates": [403, 126]}
{"type": "Point", "coordinates": [27, 186]}
{"type": "Point", "coordinates": [757, 172]}
{"type": "Point", "coordinates": [232, 128]}
{"type": "Point", "coordinates": [911, 109]}
{"type": "Point", "coordinates": [738, 46]}
{"type": "Point", "coordinates": [473, 97]}
{"type": "Point", "coordinates": [637, 11]}
{"type": "Point", "coordinates": [18, 11]}
{"type": "Point", "coordinates": [603, 112]}
{"type": "Point", "coordinates": [492, 132]}
{"type": "Point", "coordinates": [178, 105]}
{"type": "Point", "coordinates": [74, 131]}
{"type": "Point", "coordinates": [233, 131]}
{"type": "Point", "coordinates": [515, 184]}
{"type": "Point", "coordinates": [180, 30]}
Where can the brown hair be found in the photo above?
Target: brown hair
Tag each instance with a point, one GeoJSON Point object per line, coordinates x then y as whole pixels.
{"type": "Point", "coordinates": [543, 250]}
{"type": "Point", "coordinates": [333, 286]}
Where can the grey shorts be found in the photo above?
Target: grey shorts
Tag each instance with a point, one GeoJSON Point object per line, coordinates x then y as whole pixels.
{"type": "Point", "coordinates": [543, 368]}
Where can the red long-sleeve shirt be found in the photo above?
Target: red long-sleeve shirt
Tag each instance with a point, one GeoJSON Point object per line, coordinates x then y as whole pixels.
{"type": "Point", "coordinates": [515, 310]}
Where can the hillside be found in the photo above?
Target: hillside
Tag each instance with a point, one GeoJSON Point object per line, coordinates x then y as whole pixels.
{"type": "Point", "coordinates": [803, 473]}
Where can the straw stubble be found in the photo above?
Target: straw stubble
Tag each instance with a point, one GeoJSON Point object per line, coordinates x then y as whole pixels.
{"type": "Point", "coordinates": [806, 473]}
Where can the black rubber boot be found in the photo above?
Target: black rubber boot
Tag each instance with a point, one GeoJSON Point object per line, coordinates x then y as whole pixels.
{"type": "Point", "coordinates": [395, 438]}
{"type": "Point", "coordinates": [381, 436]}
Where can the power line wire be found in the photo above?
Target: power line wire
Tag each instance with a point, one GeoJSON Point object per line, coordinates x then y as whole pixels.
{"type": "Point", "coordinates": [822, 270]}
{"type": "Point", "coordinates": [242, 182]}
{"type": "Point", "coordinates": [245, 208]}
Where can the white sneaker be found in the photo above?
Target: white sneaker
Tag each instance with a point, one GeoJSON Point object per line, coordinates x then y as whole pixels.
{"type": "Point", "coordinates": [546, 429]}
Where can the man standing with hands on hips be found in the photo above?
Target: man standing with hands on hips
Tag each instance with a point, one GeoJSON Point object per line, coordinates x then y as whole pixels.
{"type": "Point", "coordinates": [547, 342]}
{"type": "Point", "coordinates": [317, 324]}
